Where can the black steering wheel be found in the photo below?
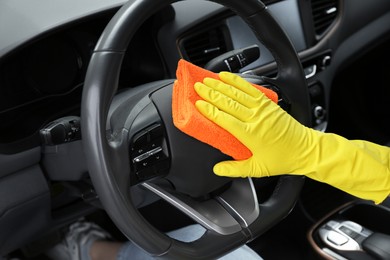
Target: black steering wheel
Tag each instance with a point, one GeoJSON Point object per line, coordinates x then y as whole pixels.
{"type": "Point", "coordinates": [129, 139]}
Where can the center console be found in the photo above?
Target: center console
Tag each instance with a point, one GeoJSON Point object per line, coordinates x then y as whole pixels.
{"type": "Point", "coordinates": [358, 230]}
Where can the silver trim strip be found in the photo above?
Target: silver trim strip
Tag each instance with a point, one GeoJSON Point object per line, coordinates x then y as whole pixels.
{"type": "Point", "coordinates": [240, 220]}
{"type": "Point", "coordinates": [147, 154]}
{"type": "Point", "coordinates": [224, 223]}
{"type": "Point", "coordinates": [245, 213]}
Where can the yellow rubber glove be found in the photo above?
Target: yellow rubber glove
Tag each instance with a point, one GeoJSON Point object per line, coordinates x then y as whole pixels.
{"type": "Point", "coordinates": [281, 145]}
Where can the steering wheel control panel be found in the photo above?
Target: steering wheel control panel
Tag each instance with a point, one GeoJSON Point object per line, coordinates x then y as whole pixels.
{"type": "Point", "coordinates": [148, 154]}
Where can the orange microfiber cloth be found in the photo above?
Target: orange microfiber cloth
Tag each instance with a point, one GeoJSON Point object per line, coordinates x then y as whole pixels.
{"type": "Point", "coordinates": [187, 118]}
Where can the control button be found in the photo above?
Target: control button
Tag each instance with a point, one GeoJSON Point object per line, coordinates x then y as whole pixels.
{"type": "Point", "coordinates": [319, 112]}
{"type": "Point", "coordinates": [325, 62]}
{"type": "Point", "coordinates": [232, 62]}
{"type": "Point", "coordinates": [156, 132]}
{"type": "Point", "coordinates": [140, 139]}
{"type": "Point", "coordinates": [349, 232]}
{"type": "Point", "coordinates": [353, 225]}
{"type": "Point", "coordinates": [336, 238]}
{"type": "Point", "coordinates": [147, 157]}
{"type": "Point", "coordinates": [333, 224]}
{"type": "Point", "coordinates": [310, 71]}
{"type": "Point", "coordinates": [242, 59]}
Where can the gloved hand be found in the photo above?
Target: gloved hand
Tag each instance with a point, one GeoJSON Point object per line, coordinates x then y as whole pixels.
{"type": "Point", "coordinates": [281, 145]}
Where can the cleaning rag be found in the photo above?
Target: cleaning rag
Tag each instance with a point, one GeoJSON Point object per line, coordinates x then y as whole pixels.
{"type": "Point", "coordinates": [188, 119]}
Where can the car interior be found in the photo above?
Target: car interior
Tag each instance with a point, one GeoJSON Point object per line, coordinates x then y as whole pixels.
{"type": "Point", "coordinates": [86, 126]}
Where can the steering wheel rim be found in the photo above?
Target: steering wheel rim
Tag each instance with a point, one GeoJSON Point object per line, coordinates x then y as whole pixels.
{"type": "Point", "coordinates": [105, 157]}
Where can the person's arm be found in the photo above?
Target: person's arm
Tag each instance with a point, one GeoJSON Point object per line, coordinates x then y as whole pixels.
{"type": "Point", "coordinates": [281, 145]}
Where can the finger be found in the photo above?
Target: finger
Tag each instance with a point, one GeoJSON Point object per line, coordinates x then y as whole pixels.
{"type": "Point", "coordinates": [232, 92]}
{"type": "Point", "coordinates": [223, 102]}
{"type": "Point", "coordinates": [240, 83]}
{"type": "Point", "coordinates": [237, 169]}
{"type": "Point", "coordinates": [226, 121]}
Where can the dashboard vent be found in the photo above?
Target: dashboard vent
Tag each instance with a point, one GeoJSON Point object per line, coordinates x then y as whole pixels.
{"type": "Point", "coordinates": [202, 47]}
{"type": "Point", "coordinates": [324, 13]}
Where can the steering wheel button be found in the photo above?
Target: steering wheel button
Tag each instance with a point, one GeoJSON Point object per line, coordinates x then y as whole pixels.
{"type": "Point", "coordinates": [141, 157]}
{"type": "Point", "coordinates": [140, 139]}
{"type": "Point", "coordinates": [159, 157]}
{"type": "Point", "coordinates": [156, 132]}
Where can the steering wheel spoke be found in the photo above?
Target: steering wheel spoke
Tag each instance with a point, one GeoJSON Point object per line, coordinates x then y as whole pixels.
{"type": "Point", "coordinates": [208, 213]}
{"type": "Point", "coordinates": [229, 212]}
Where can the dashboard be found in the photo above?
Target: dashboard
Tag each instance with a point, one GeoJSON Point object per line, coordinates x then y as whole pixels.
{"type": "Point", "coordinates": [45, 64]}
{"type": "Point", "coordinates": [45, 50]}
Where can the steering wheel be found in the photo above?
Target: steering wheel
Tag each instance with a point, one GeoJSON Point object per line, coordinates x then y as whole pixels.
{"type": "Point", "coordinates": [129, 139]}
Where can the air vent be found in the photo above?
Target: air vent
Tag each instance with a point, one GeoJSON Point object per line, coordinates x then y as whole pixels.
{"type": "Point", "coordinates": [324, 13]}
{"type": "Point", "coordinates": [202, 47]}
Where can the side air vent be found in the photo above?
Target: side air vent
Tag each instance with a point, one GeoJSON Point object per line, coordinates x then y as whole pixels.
{"type": "Point", "coordinates": [201, 47]}
{"type": "Point", "coordinates": [324, 13]}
